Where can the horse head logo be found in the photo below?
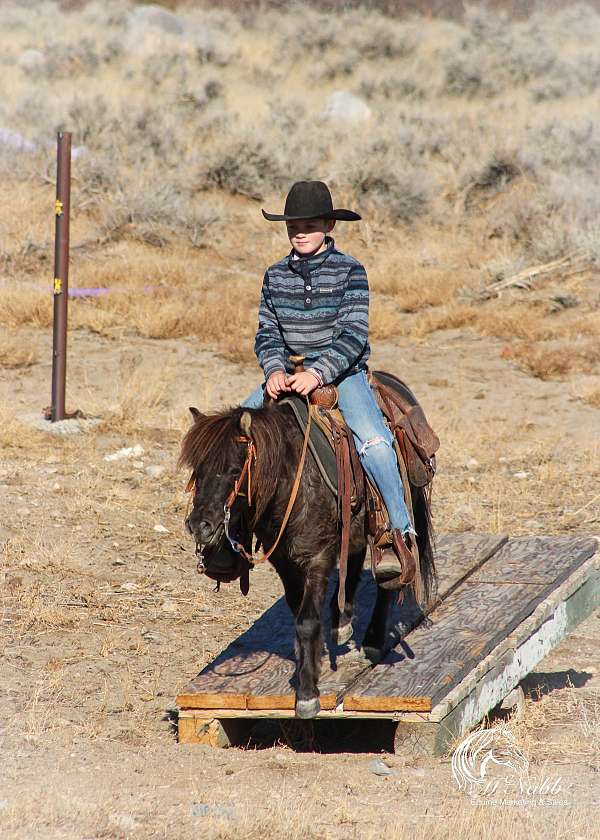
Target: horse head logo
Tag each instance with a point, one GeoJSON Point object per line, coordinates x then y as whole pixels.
{"type": "Point", "coordinates": [472, 757]}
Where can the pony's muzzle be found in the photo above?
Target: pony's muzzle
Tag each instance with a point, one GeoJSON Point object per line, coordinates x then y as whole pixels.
{"type": "Point", "coordinates": [203, 531]}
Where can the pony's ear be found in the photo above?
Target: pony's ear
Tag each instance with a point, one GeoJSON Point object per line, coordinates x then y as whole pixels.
{"type": "Point", "coordinates": [197, 415]}
{"type": "Point", "coordinates": [246, 422]}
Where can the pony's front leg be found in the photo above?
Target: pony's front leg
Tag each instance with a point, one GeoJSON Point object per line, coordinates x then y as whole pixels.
{"type": "Point", "coordinates": [341, 622]}
{"type": "Point", "coordinates": [309, 644]}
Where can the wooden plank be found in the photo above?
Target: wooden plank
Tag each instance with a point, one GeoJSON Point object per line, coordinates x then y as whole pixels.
{"type": "Point", "coordinates": [256, 670]}
{"type": "Point", "coordinates": [339, 713]}
{"type": "Point", "coordinates": [507, 668]}
{"type": "Point", "coordinates": [470, 622]}
{"type": "Point", "coordinates": [525, 630]}
{"type": "Point", "coordinates": [538, 560]}
{"type": "Point", "coordinates": [460, 555]}
{"type": "Point", "coordinates": [483, 687]}
{"type": "Point", "coordinates": [275, 689]}
{"type": "Point", "coordinates": [213, 732]}
{"type": "Point", "coordinates": [457, 556]}
{"type": "Point", "coordinates": [228, 680]}
{"type": "Point", "coordinates": [189, 699]}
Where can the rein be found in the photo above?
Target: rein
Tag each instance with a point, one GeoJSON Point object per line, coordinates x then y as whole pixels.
{"type": "Point", "coordinates": [251, 455]}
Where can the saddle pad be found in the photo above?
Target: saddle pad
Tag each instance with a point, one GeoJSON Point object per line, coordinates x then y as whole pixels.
{"type": "Point", "coordinates": [318, 443]}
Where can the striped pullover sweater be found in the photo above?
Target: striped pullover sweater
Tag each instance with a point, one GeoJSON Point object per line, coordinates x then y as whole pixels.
{"type": "Point", "coordinates": [317, 307]}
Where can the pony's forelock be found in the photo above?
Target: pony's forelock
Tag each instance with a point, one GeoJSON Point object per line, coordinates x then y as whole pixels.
{"type": "Point", "coordinates": [210, 441]}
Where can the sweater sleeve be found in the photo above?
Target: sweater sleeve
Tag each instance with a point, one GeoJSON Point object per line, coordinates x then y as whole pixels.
{"type": "Point", "coordinates": [352, 329]}
{"type": "Point", "coordinates": [268, 345]}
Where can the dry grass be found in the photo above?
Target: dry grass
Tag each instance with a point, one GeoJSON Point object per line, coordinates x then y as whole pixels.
{"type": "Point", "coordinates": [16, 353]}
{"type": "Point", "coordinates": [166, 215]}
{"type": "Point", "coordinates": [23, 306]}
{"type": "Point", "coordinates": [447, 317]}
{"type": "Point", "coordinates": [551, 362]}
{"type": "Point", "coordinates": [592, 397]}
{"type": "Point", "coordinates": [572, 715]}
{"type": "Point", "coordinates": [207, 121]}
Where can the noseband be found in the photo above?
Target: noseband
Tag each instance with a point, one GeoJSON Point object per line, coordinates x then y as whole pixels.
{"type": "Point", "coordinates": [224, 528]}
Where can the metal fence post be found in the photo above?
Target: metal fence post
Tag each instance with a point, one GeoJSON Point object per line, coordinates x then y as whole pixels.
{"type": "Point", "coordinates": [61, 276]}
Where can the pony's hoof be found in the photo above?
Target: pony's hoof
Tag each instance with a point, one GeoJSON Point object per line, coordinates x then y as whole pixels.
{"type": "Point", "coordinates": [308, 708]}
{"type": "Point", "coordinates": [373, 654]}
{"type": "Point", "coordinates": [342, 634]}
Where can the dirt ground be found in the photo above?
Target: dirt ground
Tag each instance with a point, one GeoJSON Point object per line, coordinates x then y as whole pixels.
{"type": "Point", "coordinates": [478, 161]}
{"type": "Point", "coordinates": [104, 618]}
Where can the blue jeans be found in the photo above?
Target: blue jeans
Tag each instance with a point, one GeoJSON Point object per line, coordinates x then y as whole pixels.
{"type": "Point", "coordinates": [374, 442]}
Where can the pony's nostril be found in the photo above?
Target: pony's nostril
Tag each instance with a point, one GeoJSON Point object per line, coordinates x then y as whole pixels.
{"type": "Point", "coordinates": [205, 529]}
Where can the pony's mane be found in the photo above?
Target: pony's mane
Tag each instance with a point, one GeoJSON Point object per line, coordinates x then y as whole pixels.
{"type": "Point", "coordinates": [209, 443]}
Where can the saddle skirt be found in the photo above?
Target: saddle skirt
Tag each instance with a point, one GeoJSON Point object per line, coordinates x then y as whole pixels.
{"type": "Point", "coordinates": [416, 442]}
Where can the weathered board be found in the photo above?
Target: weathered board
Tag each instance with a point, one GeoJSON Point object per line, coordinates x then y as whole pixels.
{"type": "Point", "coordinates": [468, 624]}
{"type": "Point", "coordinates": [256, 670]}
{"type": "Point", "coordinates": [502, 606]}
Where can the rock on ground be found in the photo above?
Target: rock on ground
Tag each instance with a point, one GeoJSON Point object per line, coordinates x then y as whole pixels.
{"type": "Point", "coordinates": [343, 105]}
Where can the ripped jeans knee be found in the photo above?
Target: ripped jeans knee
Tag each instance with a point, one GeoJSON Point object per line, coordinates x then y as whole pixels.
{"type": "Point", "coordinates": [378, 457]}
{"type": "Point", "coordinates": [374, 441]}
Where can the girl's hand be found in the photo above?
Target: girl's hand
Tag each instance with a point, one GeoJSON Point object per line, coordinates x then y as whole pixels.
{"type": "Point", "coordinates": [303, 382]}
{"type": "Point", "coordinates": [276, 383]}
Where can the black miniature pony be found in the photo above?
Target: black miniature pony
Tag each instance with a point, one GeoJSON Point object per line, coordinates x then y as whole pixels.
{"type": "Point", "coordinates": [216, 449]}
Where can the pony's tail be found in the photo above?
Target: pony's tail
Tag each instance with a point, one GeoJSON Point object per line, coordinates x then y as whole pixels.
{"type": "Point", "coordinates": [421, 504]}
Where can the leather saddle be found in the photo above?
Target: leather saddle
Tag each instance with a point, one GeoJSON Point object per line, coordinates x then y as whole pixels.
{"type": "Point", "coordinates": [417, 441]}
{"type": "Point", "coordinates": [332, 445]}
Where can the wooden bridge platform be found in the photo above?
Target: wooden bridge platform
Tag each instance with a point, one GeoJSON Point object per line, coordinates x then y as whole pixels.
{"type": "Point", "coordinates": [502, 605]}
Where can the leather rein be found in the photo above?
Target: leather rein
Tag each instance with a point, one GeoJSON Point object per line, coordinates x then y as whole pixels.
{"type": "Point", "coordinates": [246, 473]}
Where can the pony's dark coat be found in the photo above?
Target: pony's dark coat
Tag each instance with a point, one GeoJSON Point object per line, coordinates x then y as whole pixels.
{"type": "Point", "coordinates": [308, 549]}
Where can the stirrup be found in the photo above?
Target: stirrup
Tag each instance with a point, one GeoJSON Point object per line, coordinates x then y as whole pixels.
{"type": "Point", "coordinates": [389, 567]}
{"type": "Point", "coordinates": [400, 568]}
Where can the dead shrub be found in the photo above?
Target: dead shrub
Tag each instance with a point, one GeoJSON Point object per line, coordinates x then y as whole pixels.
{"type": "Point", "coordinates": [26, 306]}
{"type": "Point", "coordinates": [448, 317]}
{"type": "Point", "coordinates": [376, 177]}
{"type": "Point", "coordinates": [243, 166]}
{"type": "Point", "coordinates": [15, 352]}
{"type": "Point", "coordinates": [150, 215]}
{"type": "Point", "coordinates": [546, 362]}
{"type": "Point", "coordinates": [592, 397]}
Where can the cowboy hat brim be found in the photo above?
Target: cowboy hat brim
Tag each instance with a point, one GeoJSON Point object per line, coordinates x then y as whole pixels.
{"type": "Point", "coordinates": [340, 215]}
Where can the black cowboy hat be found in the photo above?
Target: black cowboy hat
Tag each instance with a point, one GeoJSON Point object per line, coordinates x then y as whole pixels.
{"type": "Point", "coordinates": [310, 200]}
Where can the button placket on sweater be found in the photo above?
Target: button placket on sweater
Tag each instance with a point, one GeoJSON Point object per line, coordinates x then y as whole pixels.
{"type": "Point", "coordinates": [305, 271]}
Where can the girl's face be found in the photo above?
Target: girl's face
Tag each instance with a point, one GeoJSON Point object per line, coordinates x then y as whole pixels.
{"type": "Point", "coordinates": [307, 236]}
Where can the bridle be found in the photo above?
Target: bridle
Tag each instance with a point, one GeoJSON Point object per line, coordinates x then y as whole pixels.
{"type": "Point", "coordinates": [246, 473]}
{"type": "Point", "coordinates": [223, 529]}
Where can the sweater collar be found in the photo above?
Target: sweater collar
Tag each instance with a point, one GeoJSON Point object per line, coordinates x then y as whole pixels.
{"type": "Point", "coordinates": [297, 263]}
